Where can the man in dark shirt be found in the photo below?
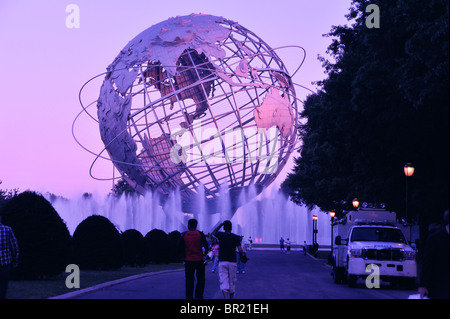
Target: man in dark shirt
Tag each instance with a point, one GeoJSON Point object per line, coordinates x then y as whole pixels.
{"type": "Point", "coordinates": [193, 244]}
{"type": "Point", "coordinates": [228, 242]}
{"type": "Point", "coordinates": [434, 279]}
{"type": "Point", "coordinates": [9, 256]}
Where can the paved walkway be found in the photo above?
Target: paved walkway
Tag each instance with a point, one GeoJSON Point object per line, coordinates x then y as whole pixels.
{"type": "Point", "coordinates": [269, 275]}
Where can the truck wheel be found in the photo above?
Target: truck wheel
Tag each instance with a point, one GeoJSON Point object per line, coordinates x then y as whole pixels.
{"type": "Point", "coordinates": [338, 275]}
{"type": "Point", "coordinates": [351, 280]}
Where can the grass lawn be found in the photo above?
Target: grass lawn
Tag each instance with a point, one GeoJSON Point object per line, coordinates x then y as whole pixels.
{"type": "Point", "coordinates": [42, 289]}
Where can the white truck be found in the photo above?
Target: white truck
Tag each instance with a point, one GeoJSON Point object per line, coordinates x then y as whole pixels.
{"type": "Point", "coordinates": [371, 236]}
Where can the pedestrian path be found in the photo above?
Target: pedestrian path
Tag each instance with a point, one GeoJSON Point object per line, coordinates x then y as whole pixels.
{"type": "Point", "coordinates": [269, 275]}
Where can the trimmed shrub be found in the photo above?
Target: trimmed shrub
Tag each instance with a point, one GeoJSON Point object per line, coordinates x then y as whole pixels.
{"type": "Point", "coordinates": [174, 237]}
{"type": "Point", "coordinates": [159, 246]}
{"type": "Point", "coordinates": [97, 244]}
{"type": "Point", "coordinates": [42, 236]}
{"type": "Point", "coordinates": [135, 249]}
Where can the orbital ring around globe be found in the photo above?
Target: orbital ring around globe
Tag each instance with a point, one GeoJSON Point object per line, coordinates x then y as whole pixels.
{"type": "Point", "coordinates": [196, 101]}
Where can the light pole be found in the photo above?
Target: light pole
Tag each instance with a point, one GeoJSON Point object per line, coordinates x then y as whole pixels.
{"type": "Point", "coordinates": [332, 214]}
{"type": "Point", "coordinates": [314, 244]}
{"type": "Point", "coordinates": [409, 171]}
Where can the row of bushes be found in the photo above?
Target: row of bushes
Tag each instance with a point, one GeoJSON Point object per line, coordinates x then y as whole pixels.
{"type": "Point", "coordinates": [97, 244]}
{"type": "Point", "coordinates": [46, 247]}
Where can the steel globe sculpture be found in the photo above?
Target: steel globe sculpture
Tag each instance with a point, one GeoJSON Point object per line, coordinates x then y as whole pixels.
{"type": "Point", "coordinates": [198, 102]}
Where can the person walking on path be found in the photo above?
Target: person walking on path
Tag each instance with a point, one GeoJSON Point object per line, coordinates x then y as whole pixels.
{"type": "Point", "coordinates": [240, 262]}
{"type": "Point", "coordinates": [305, 247]}
{"type": "Point", "coordinates": [281, 244]}
{"type": "Point", "coordinates": [215, 258]}
{"type": "Point", "coordinates": [193, 244]}
{"type": "Point", "coordinates": [250, 242]}
{"type": "Point", "coordinates": [9, 256]}
{"type": "Point", "coordinates": [288, 246]}
{"type": "Point", "coordinates": [228, 242]}
{"type": "Point", "coordinates": [434, 279]}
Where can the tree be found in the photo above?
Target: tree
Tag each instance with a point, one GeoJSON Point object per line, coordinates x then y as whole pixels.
{"type": "Point", "coordinates": [383, 104]}
{"type": "Point", "coordinates": [6, 194]}
{"type": "Point", "coordinates": [122, 187]}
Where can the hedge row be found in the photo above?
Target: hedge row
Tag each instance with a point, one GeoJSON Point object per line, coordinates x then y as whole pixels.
{"type": "Point", "coordinates": [46, 247]}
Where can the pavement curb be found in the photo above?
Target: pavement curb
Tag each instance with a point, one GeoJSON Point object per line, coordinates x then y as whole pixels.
{"type": "Point", "coordinates": [79, 292]}
{"type": "Point", "coordinates": [325, 263]}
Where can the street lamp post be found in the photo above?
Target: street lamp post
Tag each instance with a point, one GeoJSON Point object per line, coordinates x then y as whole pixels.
{"type": "Point", "coordinates": [332, 214]}
{"type": "Point", "coordinates": [409, 171]}
{"type": "Point", "coordinates": [315, 231]}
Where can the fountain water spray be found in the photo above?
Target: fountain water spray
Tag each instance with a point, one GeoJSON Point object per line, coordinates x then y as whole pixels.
{"type": "Point", "coordinates": [265, 218]}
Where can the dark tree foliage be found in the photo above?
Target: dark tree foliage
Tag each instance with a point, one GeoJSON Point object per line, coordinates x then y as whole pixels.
{"type": "Point", "coordinates": [159, 246]}
{"type": "Point", "coordinates": [122, 187]}
{"type": "Point", "coordinates": [383, 104]}
{"type": "Point", "coordinates": [97, 244]}
{"type": "Point", "coordinates": [174, 237]}
{"type": "Point", "coordinates": [136, 250]}
{"type": "Point", "coordinates": [6, 194]}
{"type": "Point", "coordinates": [43, 237]}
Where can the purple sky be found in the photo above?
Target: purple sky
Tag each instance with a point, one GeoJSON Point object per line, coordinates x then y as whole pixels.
{"type": "Point", "coordinates": [43, 65]}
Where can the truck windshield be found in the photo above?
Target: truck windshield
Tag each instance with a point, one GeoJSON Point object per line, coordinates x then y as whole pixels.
{"type": "Point", "coordinates": [378, 234]}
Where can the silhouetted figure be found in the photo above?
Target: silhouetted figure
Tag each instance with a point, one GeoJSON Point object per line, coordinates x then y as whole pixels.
{"type": "Point", "coordinates": [9, 256]}
{"type": "Point", "coordinates": [434, 279]}
{"type": "Point", "coordinates": [282, 245]}
{"type": "Point", "coordinates": [193, 244]}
